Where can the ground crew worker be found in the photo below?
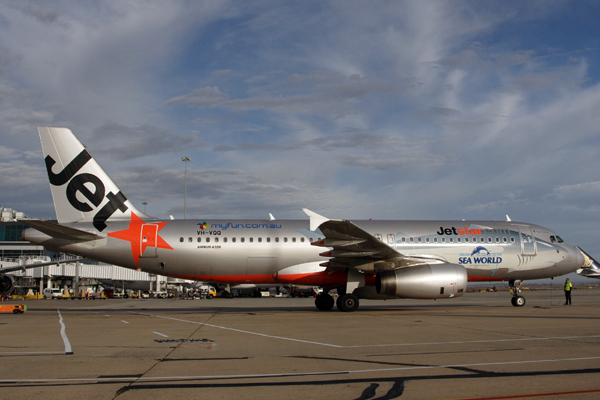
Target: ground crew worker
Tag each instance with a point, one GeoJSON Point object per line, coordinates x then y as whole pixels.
{"type": "Point", "coordinates": [568, 288]}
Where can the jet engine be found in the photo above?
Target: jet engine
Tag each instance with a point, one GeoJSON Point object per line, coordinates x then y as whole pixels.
{"type": "Point", "coordinates": [437, 281]}
{"type": "Point", "coordinates": [7, 284]}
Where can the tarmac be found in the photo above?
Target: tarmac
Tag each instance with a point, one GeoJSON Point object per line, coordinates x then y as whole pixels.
{"type": "Point", "coordinates": [477, 346]}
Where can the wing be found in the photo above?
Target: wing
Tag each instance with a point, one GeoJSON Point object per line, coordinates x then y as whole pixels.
{"type": "Point", "coordinates": [60, 231]}
{"type": "Point", "coordinates": [354, 247]}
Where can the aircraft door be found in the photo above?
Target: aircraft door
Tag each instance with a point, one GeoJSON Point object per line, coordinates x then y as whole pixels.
{"type": "Point", "coordinates": [391, 240]}
{"type": "Point", "coordinates": [149, 237]}
{"type": "Point", "coordinates": [528, 246]}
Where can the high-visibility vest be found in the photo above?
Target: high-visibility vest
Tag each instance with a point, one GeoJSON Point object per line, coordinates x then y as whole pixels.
{"type": "Point", "coordinates": [568, 286]}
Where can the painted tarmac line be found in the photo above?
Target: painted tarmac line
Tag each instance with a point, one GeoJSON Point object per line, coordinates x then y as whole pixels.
{"type": "Point", "coordinates": [242, 331]}
{"type": "Point", "coordinates": [125, 322]}
{"type": "Point", "coordinates": [160, 334]}
{"type": "Point", "coordinates": [63, 333]}
{"type": "Point", "coordinates": [292, 374]}
{"type": "Point", "coordinates": [376, 345]}
{"type": "Point", "coordinates": [476, 341]}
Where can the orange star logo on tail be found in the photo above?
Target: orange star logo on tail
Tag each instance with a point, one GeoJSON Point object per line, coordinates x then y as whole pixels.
{"type": "Point", "coordinates": [133, 234]}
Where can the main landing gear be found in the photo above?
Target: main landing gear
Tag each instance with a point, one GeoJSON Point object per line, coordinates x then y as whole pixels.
{"type": "Point", "coordinates": [345, 302]}
{"type": "Point", "coordinates": [517, 300]}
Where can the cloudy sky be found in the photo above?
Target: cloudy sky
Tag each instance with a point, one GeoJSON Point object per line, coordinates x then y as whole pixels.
{"type": "Point", "coordinates": [383, 110]}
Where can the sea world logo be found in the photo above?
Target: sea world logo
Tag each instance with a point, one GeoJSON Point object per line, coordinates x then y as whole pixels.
{"type": "Point", "coordinates": [480, 256]}
{"type": "Point", "coordinates": [203, 225]}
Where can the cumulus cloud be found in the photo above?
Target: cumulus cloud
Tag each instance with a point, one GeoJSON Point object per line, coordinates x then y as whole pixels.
{"type": "Point", "coordinates": [119, 142]}
{"type": "Point", "coordinates": [446, 106]}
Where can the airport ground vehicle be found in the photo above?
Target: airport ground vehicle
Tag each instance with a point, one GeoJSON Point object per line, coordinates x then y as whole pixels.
{"type": "Point", "coordinates": [13, 308]}
{"type": "Point", "coordinates": [52, 293]}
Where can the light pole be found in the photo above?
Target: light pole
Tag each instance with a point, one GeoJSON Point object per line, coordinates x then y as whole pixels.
{"type": "Point", "coordinates": [145, 203]}
{"type": "Point", "coordinates": [185, 160]}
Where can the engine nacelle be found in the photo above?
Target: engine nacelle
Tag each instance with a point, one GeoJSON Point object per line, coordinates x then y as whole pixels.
{"type": "Point", "coordinates": [7, 284]}
{"type": "Point", "coordinates": [437, 281]}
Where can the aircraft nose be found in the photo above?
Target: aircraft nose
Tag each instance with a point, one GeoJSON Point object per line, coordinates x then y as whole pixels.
{"type": "Point", "coordinates": [573, 260]}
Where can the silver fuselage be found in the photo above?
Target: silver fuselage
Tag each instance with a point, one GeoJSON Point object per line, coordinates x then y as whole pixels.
{"type": "Point", "coordinates": [254, 251]}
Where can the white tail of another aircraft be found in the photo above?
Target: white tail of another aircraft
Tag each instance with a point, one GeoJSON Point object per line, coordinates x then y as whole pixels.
{"type": "Point", "coordinates": [81, 190]}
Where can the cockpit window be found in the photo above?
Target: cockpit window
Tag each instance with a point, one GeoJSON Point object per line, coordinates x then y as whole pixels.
{"type": "Point", "coordinates": [555, 239]}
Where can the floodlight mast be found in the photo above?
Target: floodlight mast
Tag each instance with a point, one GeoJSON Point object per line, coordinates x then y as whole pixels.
{"type": "Point", "coordinates": [185, 160]}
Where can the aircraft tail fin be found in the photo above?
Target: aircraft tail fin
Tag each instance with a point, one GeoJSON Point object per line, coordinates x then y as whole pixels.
{"type": "Point", "coordinates": [81, 190]}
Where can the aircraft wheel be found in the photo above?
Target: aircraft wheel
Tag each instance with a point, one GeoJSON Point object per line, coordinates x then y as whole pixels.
{"type": "Point", "coordinates": [324, 302]}
{"type": "Point", "coordinates": [347, 303]}
{"type": "Point", "coordinates": [519, 301]}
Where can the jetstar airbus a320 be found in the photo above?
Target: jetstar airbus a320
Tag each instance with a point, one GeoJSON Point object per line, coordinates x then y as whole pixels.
{"type": "Point", "coordinates": [361, 259]}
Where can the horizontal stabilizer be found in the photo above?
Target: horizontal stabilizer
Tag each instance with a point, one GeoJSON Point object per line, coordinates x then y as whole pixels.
{"type": "Point", "coordinates": [60, 231]}
{"type": "Point", "coordinates": [24, 266]}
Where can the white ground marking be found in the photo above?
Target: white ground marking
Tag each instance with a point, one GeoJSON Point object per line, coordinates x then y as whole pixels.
{"type": "Point", "coordinates": [242, 331]}
{"type": "Point", "coordinates": [123, 321]}
{"type": "Point", "coordinates": [63, 333]}
{"type": "Point", "coordinates": [160, 334]}
{"type": "Point", "coordinates": [375, 345]}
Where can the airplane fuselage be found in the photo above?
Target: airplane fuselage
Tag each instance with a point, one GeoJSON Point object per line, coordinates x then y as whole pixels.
{"type": "Point", "coordinates": [254, 251]}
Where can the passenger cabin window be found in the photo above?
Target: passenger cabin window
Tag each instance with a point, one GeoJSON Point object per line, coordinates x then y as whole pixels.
{"type": "Point", "coordinates": [190, 240]}
{"type": "Point", "coordinates": [233, 240]}
{"type": "Point", "coordinates": [207, 240]}
{"type": "Point", "coordinates": [224, 240]}
{"type": "Point", "coordinates": [181, 239]}
{"type": "Point", "coordinates": [216, 240]}
{"type": "Point", "coordinates": [199, 239]}
{"type": "Point", "coordinates": [242, 240]}
{"type": "Point", "coordinates": [284, 240]}
{"type": "Point", "coordinates": [251, 240]}
{"type": "Point", "coordinates": [293, 240]}
{"type": "Point", "coordinates": [276, 240]}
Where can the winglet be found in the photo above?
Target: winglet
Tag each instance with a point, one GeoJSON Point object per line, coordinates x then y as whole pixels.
{"type": "Point", "coordinates": [315, 219]}
{"type": "Point", "coordinates": [508, 218]}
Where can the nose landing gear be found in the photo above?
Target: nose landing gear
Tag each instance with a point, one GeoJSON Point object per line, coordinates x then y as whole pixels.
{"type": "Point", "coordinates": [517, 300]}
